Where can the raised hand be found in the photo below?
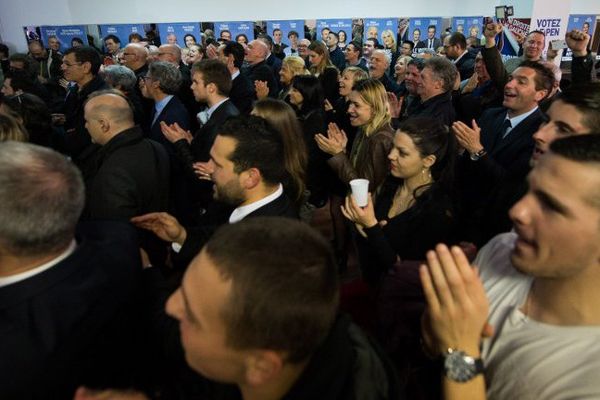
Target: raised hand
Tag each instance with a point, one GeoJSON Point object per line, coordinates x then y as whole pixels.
{"type": "Point", "coordinates": [262, 89]}
{"type": "Point", "coordinates": [174, 132]}
{"type": "Point", "coordinates": [468, 138]}
{"type": "Point", "coordinates": [578, 42]}
{"type": "Point", "coordinates": [203, 170]}
{"type": "Point", "coordinates": [164, 225]}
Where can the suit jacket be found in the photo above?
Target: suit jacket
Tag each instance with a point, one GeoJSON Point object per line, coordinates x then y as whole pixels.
{"type": "Point", "coordinates": [466, 65]}
{"type": "Point", "coordinates": [218, 214]}
{"type": "Point", "coordinates": [337, 58]}
{"type": "Point", "coordinates": [508, 157]}
{"type": "Point", "coordinates": [424, 44]}
{"type": "Point", "coordinates": [242, 93]}
{"type": "Point", "coordinates": [76, 323]}
{"type": "Point", "coordinates": [200, 192]}
{"type": "Point", "coordinates": [174, 111]}
{"type": "Point", "coordinates": [263, 72]}
{"type": "Point", "coordinates": [439, 107]}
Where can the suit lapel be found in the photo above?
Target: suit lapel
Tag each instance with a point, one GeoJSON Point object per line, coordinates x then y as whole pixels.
{"type": "Point", "coordinates": [521, 132]}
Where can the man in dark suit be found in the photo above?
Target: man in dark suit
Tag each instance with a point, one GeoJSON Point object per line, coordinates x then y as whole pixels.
{"type": "Point", "coordinates": [336, 55]}
{"type": "Point", "coordinates": [258, 69]}
{"type": "Point", "coordinates": [211, 85]}
{"type": "Point", "coordinates": [353, 56]}
{"type": "Point", "coordinates": [247, 168]}
{"type": "Point", "coordinates": [501, 145]}
{"type": "Point", "coordinates": [271, 60]}
{"type": "Point", "coordinates": [378, 68]}
{"type": "Point", "coordinates": [242, 91]}
{"type": "Point", "coordinates": [435, 90]}
{"type": "Point", "coordinates": [68, 301]}
{"type": "Point", "coordinates": [455, 46]}
{"type": "Point", "coordinates": [431, 42]}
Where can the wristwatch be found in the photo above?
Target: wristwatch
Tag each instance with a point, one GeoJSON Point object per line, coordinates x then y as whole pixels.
{"type": "Point", "coordinates": [460, 367]}
{"type": "Point", "coordinates": [476, 156]}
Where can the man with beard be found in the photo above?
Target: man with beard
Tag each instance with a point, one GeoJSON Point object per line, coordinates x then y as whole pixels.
{"type": "Point", "coordinates": [247, 168]}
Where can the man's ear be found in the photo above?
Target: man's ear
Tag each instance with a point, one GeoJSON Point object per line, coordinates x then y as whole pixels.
{"type": "Point", "coordinates": [251, 178]}
{"type": "Point", "coordinates": [104, 124]}
{"type": "Point", "coordinates": [263, 366]}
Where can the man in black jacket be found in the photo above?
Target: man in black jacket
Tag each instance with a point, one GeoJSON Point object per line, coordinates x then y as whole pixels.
{"type": "Point", "coordinates": [247, 168]}
{"type": "Point", "coordinates": [258, 69]}
{"type": "Point", "coordinates": [80, 65]}
{"type": "Point", "coordinates": [242, 92]}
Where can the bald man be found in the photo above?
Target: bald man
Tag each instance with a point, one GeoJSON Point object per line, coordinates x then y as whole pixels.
{"type": "Point", "coordinates": [258, 70]}
{"type": "Point", "coordinates": [130, 175]}
{"type": "Point", "coordinates": [135, 58]}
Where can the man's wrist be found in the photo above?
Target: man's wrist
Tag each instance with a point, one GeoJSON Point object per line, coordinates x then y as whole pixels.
{"type": "Point", "coordinates": [182, 237]}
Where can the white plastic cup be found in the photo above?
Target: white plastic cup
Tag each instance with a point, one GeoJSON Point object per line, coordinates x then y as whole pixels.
{"type": "Point", "coordinates": [360, 191]}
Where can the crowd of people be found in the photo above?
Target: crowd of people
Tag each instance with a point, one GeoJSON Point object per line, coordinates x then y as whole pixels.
{"type": "Point", "coordinates": [157, 203]}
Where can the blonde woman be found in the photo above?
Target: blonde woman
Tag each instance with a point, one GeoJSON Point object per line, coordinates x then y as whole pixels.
{"type": "Point", "coordinates": [291, 66]}
{"type": "Point", "coordinates": [11, 129]}
{"type": "Point", "coordinates": [368, 110]}
{"type": "Point", "coordinates": [322, 68]}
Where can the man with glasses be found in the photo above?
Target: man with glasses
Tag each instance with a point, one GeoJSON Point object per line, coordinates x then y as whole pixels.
{"type": "Point", "coordinates": [80, 66]}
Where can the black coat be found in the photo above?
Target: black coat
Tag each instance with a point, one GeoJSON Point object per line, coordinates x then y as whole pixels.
{"type": "Point", "coordinates": [76, 323]}
{"type": "Point", "coordinates": [263, 72]}
{"type": "Point", "coordinates": [242, 93]}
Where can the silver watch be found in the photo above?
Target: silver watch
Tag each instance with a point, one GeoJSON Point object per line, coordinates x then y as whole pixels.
{"type": "Point", "coordinates": [460, 367]}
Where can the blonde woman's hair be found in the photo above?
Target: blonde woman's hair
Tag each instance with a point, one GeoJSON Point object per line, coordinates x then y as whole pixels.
{"type": "Point", "coordinates": [373, 93]}
{"type": "Point", "coordinates": [296, 65]}
{"type": "Point", "coordinates": [389, 32]}
{"type": "Point", "coordinates": [357, 73]}
{"type": "Point", "coordinates": [12, 129]}
{"type": "Point", "coordinates": [322, 50]}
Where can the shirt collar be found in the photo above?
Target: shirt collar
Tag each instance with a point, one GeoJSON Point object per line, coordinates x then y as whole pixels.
{"type": "Point", "coordinates": [214, 107]}
{"type": "Point", "coordinates": [235, 74]}
{"type": "Point", "coordinates": [242, 212]}
{"type": "Point", "coordinates": [461, 56]}
{"type": "Point", "coordinates": [161, 104]}
{"type": "Point", "coordinates": [9, 280]}
{"type": "Point", "coordinates": [514, 121]}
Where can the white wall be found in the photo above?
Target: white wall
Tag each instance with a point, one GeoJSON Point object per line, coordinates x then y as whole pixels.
{"type": "Point", "coordinates": [14, 14]}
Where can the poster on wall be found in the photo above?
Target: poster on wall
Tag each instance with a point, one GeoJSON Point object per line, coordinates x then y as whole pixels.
{"type": "Point", "coordinates": [32, 33]}
{"type": "Point", "coordinates": [176, 33]}
{"type": "Point", "coordinates": [236, 30]}
{"type": "Point", "coordinates": [385, 30]}
{"type": "Point", "coordinates": [279, 30]}
{"type": "Point", "coordinates": [585, 23]}
{"type": "Point", "coordinates": [66, 35]}
{"type": "Point", "coordinates": [425, 33]}
{"type": "Point", "coordinates": [468, 26]}
{"type": "Point", "coordinates": [343, 27]}
{"type": "Point", "coordinates": [122, 31]}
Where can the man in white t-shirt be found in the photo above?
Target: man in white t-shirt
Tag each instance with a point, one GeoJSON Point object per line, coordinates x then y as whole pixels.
{"type": "Point", "coordinates": [535, 297]}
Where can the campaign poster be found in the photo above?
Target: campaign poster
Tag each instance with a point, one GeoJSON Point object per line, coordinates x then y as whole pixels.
{"type": "Point", "coordinates": [343, 27]}
{"type": "Point", "coordinates": [122, 31]}
{"type": "Point", "coordinates": [175, 33]}
{"type": "Point", "coordinates": [513, 32]}
{"type": "Point", "coordinates": [385, 30]}
{"type": "Point", "coordinates": [65, 34]}
{"type": "Point", "coordinates": [32, 33]}
{"type": "Point", "coordinates": [279, 30]}
{"type": "Point", "coordinates": [237, 30]}
{"type": "Point", "coordinates": [468, 26]}
{"type": "Point", "coordinates": [420, 29]}
{"type": "Point", "coordinates": [552, 18]}
{"type": "Point", "coordinates": [585, 23]}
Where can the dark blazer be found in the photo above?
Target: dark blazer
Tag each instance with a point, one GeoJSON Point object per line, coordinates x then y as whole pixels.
{"type": "Point", "coordinates": [173, 112]}
{"type": "Point", "coordinates": [242, 93]}
{"type": "Point", "coordinates": [218, 214]}
{"type": "Point", "coordinates": [466, 65]}
{"type": "Point", "coordinates": [263, 72]}
{"type": "Point", "coordinates": [275, 63]}
{"type": "Point", "coordinates": [508, 157]}
{"type": "Point", "coordinates": [337, 58]}
{"type": "Point", "coordinates": [439, 107]}
{"type": "Point", "coordinates": [76, 323]}
{"type": "Point", "coordinates": [390, 85]}
{"type": "Point", "coordinates": [77, 137]}
{"type": "Point", "coordinates": [423, 44]}
{"type": "Point", "coordinates": [330, 83]}
{"type": "Point", "coordinates": [200, 192]}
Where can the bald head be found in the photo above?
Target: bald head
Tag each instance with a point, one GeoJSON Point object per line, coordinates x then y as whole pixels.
{"type": "Point", "coordinates": [256, 52]}
{"type": "Point", "coordinates": [107, 113]}
{"type": "Point", "coordinates": [134, 56]}
{"type": "Point", "coordinates": [169, 53]}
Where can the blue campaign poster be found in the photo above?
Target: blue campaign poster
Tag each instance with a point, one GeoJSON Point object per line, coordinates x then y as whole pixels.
{"type": "Point", "coordinates": [175, 33]}
{"type": "Point", "coordinates": [122, 31]}
{"type": "Point", "coordinates": [420, 29]}
{"type": "Point", "coordinates": [468, 26]}
{"type": "Point", "coordinates": [65, 34]}
{"type": "Point", "coordinates": [236, 28]}
{"type": "Point", "coordinates": [385, 30]}
{"type": "Point", "coordinates": [582, 22]}
{"type": "Point", "coordinates": [279, 30]}
{"type": "Point", "coordinates": [343, 27]}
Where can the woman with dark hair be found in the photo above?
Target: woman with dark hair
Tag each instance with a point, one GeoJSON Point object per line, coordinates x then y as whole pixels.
{"type": "Point", "coordinates": [189, 40]}
{"type": "Point", "coordinates": [283, 118]}
{"type": "Point", "coordinates": [322, 68]}
{"type": "Point", "coordinates": [242, 39]}
{"type": "Point", "coordinates": [306, 96]}
{"type": "Point", "coordinates": [415, 210]}
{"type": "Point", "coordinates": [342, 39]}
{"type": "Point", "coordinates": [37, 120]}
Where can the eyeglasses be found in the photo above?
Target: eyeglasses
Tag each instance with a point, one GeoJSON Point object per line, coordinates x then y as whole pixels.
{"type": "Point", "coordinates": [144, 78]}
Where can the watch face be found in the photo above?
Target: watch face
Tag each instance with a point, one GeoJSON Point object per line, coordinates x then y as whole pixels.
{"type": "Point", "coordinates": [459, 367]}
